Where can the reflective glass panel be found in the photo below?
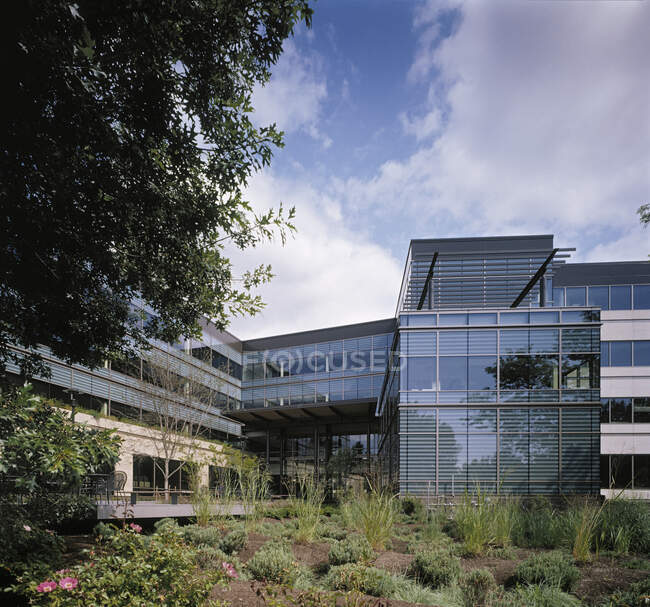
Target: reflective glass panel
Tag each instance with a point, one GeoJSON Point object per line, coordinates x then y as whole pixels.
{"type": "Point", "coordinates": [576, 296]}
{"type": "Point", "coordinates": [621, 467]}
{"type": "Point", "coordinates": [421, 373]}
{"type": "Point", "coordinates": [558, 297]}
{"type": "Point", "coordinates": [544, 340]}
{"type": "Point", "coordinates": [514, 318]}
{"type": "Point", "coordinates": [539, 318]}
{"type": "Point", "coordinates": [421, 320]}
{"type": "Point", "coordinates": [642, 471]}
{"type": "Point", "coordinates": [487, 318]}
{"type": "Point", "coordinates": [446, 320]}
{"type": "Point", "coordinates": [621, 298]}
{"type": "Point", "coordinates": [580, 371]}
{"type": "Point", "coordinates": [543, 372]}
{"type": "Point", "coordinates": [604, 410]}
{"type": "Point", "coordinates": [642, 353]}
{"type": "Point", "coordinates": [453, 372]}
{"type": "Point", "coordinates": [642, 297]}
{"type": "Point", "coordinates": [604, 354]}
{"type": "Point", "coordinates": [621, 410]}
{"type": "Point", "coordinates": [514, 341]}
{"type": "Point", "coordinates": [482, 342]}
{"type": "Point", "coordinates": [482, 372]}
{"type": "Point", "coordinates": [620, 353]}
{"type": "Point", "coordinates": [642, 410]}
{"type": "Point", "coordinates": [599, 296]}
{"type": "Point", "coordinates": [453, 342]}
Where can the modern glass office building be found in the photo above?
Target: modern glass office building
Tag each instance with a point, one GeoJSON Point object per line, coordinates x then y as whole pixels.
{"type": "Point", "coordinates": [489, 375]}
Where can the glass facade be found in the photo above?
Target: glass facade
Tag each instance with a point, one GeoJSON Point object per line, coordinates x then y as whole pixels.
{"type": "Point", "coordinates": [331, 371]}
{"type": "Point", "coordinates": [507, 401]}
{"type": "Point", "coordinates": [625, 353]}
{"type": "Point", "coordinates": [605, 297]}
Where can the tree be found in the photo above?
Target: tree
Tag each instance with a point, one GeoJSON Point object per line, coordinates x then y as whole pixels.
{"type": "Point", "coordinates": [126, 144]}
{"type": "Point", "coordinates": [644, 215]}
{"type": "Point", "coordinates": [179, 399]}
{"type": "Point", "coordinates": [44, 450]}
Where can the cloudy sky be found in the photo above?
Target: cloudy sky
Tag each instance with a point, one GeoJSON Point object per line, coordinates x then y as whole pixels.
{"type": "Point", "coordinates": [408, 119]}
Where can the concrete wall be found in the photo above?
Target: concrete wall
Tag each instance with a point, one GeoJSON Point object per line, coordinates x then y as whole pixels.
{"type": "Point", "coordinates": [139, 440]}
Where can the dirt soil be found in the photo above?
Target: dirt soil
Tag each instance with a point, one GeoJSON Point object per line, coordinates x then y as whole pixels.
{"type": "Point", "coordinates": [395, 562]}
{"type": "Point", "coordinates": [602, 577]}
{"type": "Point", "coordinates": [253, 544]}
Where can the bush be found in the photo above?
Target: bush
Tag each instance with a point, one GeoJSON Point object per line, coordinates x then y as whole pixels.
{"type": "Point", "coordinates": [201, 536]}
{"type": "Point", "coordinates": [274, 562]}
{"type": "Point", "coordinates": [209, 557]}
{"type": "Point", "coordinates": [477, 586]}
{"type": "Point", "coordinates": [552, 569]}
{"type": "Point", "coordinates": [373, 515]}
{"type": "Point", "coordinates": [352, 550]}
{"type": "Point", "coordinates": [435, 568]}
{"type": "Point", "coordinates": [369, 580]}
{"type": "Point", "coordinates": [165, 524]}
{"type": "Point", "coordinates": [233, 541]}
{"type": "Point", "coordinates": [332, 531]}
{"type": "Point", "coordinates": [130, 571]}
{"type": "Point", "coordinates": [635, 596]}
{"type": "Point", "coordinates": [413, 506]}
{"type": "Point", "coordinates": [24, 547]}
{"type": "Point", "coordinates": [104, 530]}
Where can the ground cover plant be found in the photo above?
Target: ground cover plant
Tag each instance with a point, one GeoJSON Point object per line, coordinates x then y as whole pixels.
{"type": "Point", "coordinates": [502, 553]}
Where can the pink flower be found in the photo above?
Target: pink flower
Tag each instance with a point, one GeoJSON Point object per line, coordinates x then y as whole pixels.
{"type": "Point", "coordinates": [229, 570]}
{"type": "Point", "coordinates": [68, 583]}
{"type": "Point", "coordinates": [61, 572]}
{"type": "Point", "coordinates": [135, 527]}
{"type": "Point", "coordinates": [46, 586]}
{"type": "Point", "coordinates": [27, 528]}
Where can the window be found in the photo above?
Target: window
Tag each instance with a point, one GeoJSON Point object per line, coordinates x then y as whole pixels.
{"type": "Point", "coordinates": [621, 410]}
{"type": "Point", "coordinates": [641, 353]}
{"type": "Point", "coordinates": [641, 471]}
{"type": "Point", "coordinates": [419, 320]}
{"type": "Point", "coordinates": [599, 296]}
{"type": "Point", "coordinates": [642, 297]}
{"type": "Point", "coordinates": [604, 354]}
{"type": "Point", "coordinates": [576, 296]}
{"type": "Point", "coordinates": [540, 318]}
{"type": "Point", "coordinates": [604, 410]}
{"type": "Point", "coordinates": [452, 319]}
{"type": "Point", "coordinates": [621, 298]}
{"type": "Point", "coordinates": [620, 353]}
{"type": "Point", "coordinates": [482, 373]}
{"type": "Point", "coordinates": [453, 372]}
{"type": "Point", "coordinates": [482, 342]}
{"type": "Point", "coordinates": [642, 410]}
{"type": "Point", "coordinates": [514, 318]}
{"type": "Point", "coordinates": [621, 471]}
{"type": "Point", "coordinates": [579, 371]}
{"type": "Point", "coordinates": [421, 373]}
{"type": "Point", "coordinates": [558, 297]}
{"type": "Point", "coordinates": [487, 318]}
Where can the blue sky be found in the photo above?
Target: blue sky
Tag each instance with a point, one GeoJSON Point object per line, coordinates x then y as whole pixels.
{"type": "Point", "coordinates": [443, 118]}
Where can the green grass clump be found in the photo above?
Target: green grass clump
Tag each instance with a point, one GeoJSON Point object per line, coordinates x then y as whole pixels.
{"type": "Point", "coordinates": [373, 515]}
{"type": "Point", "coordinates": [538, 525]}
{"type": "Point", "coordinates": [435, 568]}
{"type": "Point", "coordinates": [535, 596]}
{"type": "Point", "coordinates": [624, 526]}
{"type": "Point", "coordinates": [306, 499]}
{"type": "Point", "coordinates": [551, 569]}
{"type": "Point", "coordinates": [354, 549]}
{"type": "Point", "coordinates": [410, 591]}
{"type": "Point", "coordinates": [477, 587]}
{"type": "Point", "coordinates": [369, 580]}
{"type": "Point", "coordinates": [274, 562]}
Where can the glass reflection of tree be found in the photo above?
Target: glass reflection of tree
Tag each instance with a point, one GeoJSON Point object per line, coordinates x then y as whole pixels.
{"type": "Point", "coordinates": [533, 371]}
{"type": "Point", "coordinates": [449, 456]}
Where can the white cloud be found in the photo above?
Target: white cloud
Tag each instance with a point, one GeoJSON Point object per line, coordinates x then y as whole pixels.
{"type": "Point", "coordinates": [546, 125]}
{"type": "Point", "coordinates": [327, 275]}
{"type": "Point", "coordinates": [294, 96]}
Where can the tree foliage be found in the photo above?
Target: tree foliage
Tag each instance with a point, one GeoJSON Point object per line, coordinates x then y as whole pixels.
{"type": "Point", "coordinates": [43, 450]}
{"type": "Point", "coordinates": [126, 145]}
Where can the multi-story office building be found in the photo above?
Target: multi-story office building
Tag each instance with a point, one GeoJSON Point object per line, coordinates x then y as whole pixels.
{"type": "Point", "coordinates": [489, 374]}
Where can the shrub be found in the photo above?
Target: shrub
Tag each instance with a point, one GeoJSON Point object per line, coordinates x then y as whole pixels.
{"type": "Point", "coordinates": [165, 524]}
{"type": "Point", "coordinates": [208, 536]}
{"type": "Point", "coordinates": [209, 557]}
{"type": "Point", "coordinates": [635, 596]}
{"type": "Point", "coordinates": [351, 550]}
{"type": "Point", "coordinates": [369, 580]}
{"type": "Point", "coordinates": [24, 547]}
{"type": "Point", "coordinates": [274, 562]}
{"type": "Point", "coordinates": [306, 500]}
{"type": "Point", "coordinates": [411, 592]}
{"type": "Point", "coordinates": [435, 568]}
{"type": "Point", "coordinates": [104, 530]}
{"type": "Point", "coordinates": [332, 531]}
{"type": "Point", "coordinates": [128, 571]}
{"type": "Point", "coordinates": [551, 569]}
{"type": "Point", "coordinates": [477, 586]}
{"type": "Point", "coordinates": [413, 506]}
{"type": "Point", "coordinates": [233, 541]}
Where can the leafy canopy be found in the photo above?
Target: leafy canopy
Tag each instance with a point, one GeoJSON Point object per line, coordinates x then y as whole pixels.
{"type": "Point", "coordinates": [43, 450]}
{"type": "Point", "coordinates": [126, 144]}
